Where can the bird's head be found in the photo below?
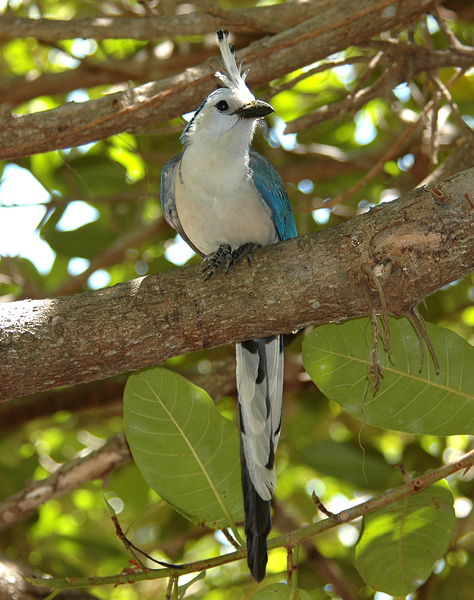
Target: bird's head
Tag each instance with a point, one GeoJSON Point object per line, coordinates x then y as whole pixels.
{"type": "Point", "coordinates": [233, 107]}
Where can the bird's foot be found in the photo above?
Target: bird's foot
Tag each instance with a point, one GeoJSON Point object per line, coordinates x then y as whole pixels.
{"type": "Point", "coordinates": [224, 254]}
{"type": "Point", "coordinates": [215, 259]}
{"type": "Point", "coordinates": [244, 251]}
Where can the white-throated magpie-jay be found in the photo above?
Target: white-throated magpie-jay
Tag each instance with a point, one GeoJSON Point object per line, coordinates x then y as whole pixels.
{"type": "Point", "coordinates": [225, 199]}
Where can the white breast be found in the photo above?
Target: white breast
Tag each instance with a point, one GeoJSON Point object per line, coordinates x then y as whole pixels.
{"type": "Point", "coordinates": [217, 203]}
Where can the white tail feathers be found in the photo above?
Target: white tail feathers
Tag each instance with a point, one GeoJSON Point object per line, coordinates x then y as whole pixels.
{"type": "Point", "coordinates": [260, 387]}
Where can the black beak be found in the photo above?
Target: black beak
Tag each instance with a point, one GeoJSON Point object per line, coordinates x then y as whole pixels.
{"type": "Point", "coordinates": [254, 110]}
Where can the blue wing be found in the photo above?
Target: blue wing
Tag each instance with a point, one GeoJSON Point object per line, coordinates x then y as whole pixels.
{"type": "Point", "coordinates": [168, 201]}
{"type": "Point", "coordinates": [271, 190]}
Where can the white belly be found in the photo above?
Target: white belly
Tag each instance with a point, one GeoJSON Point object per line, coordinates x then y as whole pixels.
{"type": "Point", "coordinates": [215, 211]}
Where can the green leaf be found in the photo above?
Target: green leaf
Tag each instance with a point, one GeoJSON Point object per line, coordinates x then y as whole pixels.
{"type": "Point", "coordinates": [348, 463]}
{"type": "Point", "coordinates": [399, 545]}
{"type": "Point", "coordinates": [186, 451]}
{"type": "Point", "coordinates": [279, 591]}
{"type": "Point", "coordinates": [85, 241]}
{"type": "Point", "coordinates": [336, 358]}
{"type": "Point", "coordinates": [91, 175]}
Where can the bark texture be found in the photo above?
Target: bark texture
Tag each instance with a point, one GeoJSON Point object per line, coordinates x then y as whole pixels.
{"type": "Point", "coordinates": [333, 28]}
{"type": "Point", "coordinates": [414, 246]}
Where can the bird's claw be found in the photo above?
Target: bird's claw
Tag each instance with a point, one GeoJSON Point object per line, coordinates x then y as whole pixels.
{"type": "Point", "coordinates": [246, 250]}
{"type": "Point", "coordinates": [224, 254]}
{"type": "Point", "coordinates": [215, 259]}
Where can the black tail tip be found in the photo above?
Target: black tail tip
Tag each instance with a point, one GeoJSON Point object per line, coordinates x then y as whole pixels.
{"type": "Point", "coordinates": [221, 34]}
{"type": "Point", "coordinates": [257, 556]}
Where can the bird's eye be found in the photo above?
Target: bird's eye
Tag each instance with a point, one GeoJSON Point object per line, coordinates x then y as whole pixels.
{"type": "Point", "coordinates": [222, 106]}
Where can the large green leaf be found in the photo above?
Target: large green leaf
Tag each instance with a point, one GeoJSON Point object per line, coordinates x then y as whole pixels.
{"type": "Point", "coordinates": [279, 591]}
{"type": "Point", "coordinates": [186, 451]}
{"type": "Point", "coordinates": [91, 175]}
{"type": "Point", "coordinates": [347, 462]}
{"type": "Point", "coordinates": [336, 358]}
{"type": "Point", "coordinates": [85, 241]}
{"type": "Point", "coordinates": [399, 545]}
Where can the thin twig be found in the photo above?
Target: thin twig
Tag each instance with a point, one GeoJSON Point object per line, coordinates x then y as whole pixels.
{"type": "Point", "coordinates": [467, 131]}
{"type": "Point", "coordinates": [425, 33]}
{"type": "Point", "coordinates": [229, 538]}
{"type": "Point", "coordinates": [111, 256]}
{"type": "Point", "coordinates": [131, 548]}
{"type": "Point", "coordinates": [338, 62]}
{"type": "Point", "coordinates": [377, 168]}
{"type": "Point", "coordinates": [169, 588]}
{"type": "Point", "coordinates": [373, 64]}
{"type": "Point", "coordinates": [434, 130]}
{"type": "Point", "coordinates": [452, 40]}
{"type": "Point", "coordinates": [348, 105]}
{"type": "Point", "coordinates": [320, 506]}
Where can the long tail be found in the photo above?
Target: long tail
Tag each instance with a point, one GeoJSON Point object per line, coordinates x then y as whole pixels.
{"type": "Point", "coordinates": [260, 391]}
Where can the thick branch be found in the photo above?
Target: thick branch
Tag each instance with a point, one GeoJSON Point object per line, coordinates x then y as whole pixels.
{"type": "Point", "coordinates": [336, 27]}
{"type": "Point", "coordinates": [94, 396]}
{"type": "Point", "coordinates": [414, 246]}
{"type": "Point", "coordinates": [90, 73]}
{"type": "Point", "coordinates": [165, 26]}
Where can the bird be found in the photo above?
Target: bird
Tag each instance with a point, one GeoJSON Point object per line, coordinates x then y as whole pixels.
{"type": "Point", "coordinates": [226, 200]}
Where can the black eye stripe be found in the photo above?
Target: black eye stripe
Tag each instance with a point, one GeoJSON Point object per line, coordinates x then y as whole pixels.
{"type": "Point", "coordinates": [222, 106]}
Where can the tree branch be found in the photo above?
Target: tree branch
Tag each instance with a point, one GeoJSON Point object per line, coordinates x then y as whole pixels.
{"type": "Point", "coordinates": [96, 465]}
{"type": "Point", "coordinates": [73, 124]}
{"type": "Point", "coordinates": [270, 18]}
{"type": "Point", "coordinates": [14, 584]}
{"type": "Point", "coordinates": [90, 73]}
{"type": "Point", "coordinates": [414, 245]}
{"type": "Point", "coordinates": [411, 60]}
{"type": "Point", "coordinates": [289, 540]}
{"type": "Point", "coordinates": [95, 396]}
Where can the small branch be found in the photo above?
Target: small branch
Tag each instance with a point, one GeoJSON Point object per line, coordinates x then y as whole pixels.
{"type": "Point", "coordinates": [412, 60]}
{"type": "Point", "coordinates": [112, 255]}
{"type": "Point", "coordinates": [327, 569]}
{"type": "Point", "coordinates": [444, 90]}
{"type": "Point", "coordinates": [320, 506]}
{"type": "Point", "coordinates": [288, 541]}
{"type": "Point", "coordinates": [14, 584]}
{"type": "Point", "coordinates": [94, 466]}
{"type": "Point", "coordinates": [377, 168]}
{"type": "Point", "coordinates": [397, 148]}
{"type": "Point", "coordinates": [446, 31]}
{"type": "Point", "coordinates": [88, 396]}
{"type": "Point", "coordinates": [158, 27]}
{"type": "Point", "coordinates": [349, 105]}
{"type": "Point", "coordinates": [91, 73]}
{"type": "Point", "coordinates": [331, 64]}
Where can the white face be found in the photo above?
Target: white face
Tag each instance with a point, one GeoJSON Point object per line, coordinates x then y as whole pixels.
{"type": "Point", "coordinates": [216, 116]}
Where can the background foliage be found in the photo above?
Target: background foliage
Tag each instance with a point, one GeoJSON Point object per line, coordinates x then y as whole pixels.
{"type": "Point", "coordinates": [400, 136]}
